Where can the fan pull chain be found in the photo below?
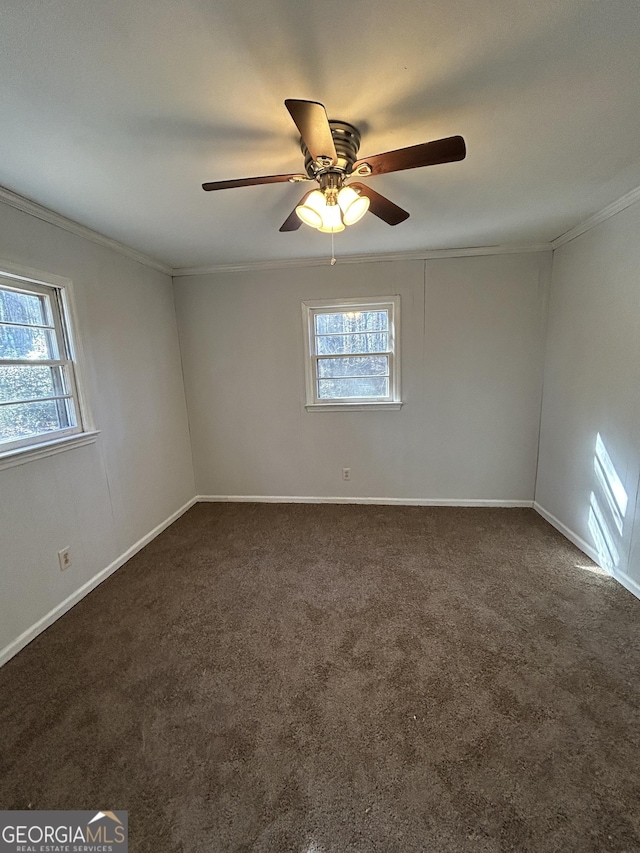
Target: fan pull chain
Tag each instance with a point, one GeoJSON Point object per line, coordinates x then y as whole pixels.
{"type": "Point", "coordinates": [333, 255]}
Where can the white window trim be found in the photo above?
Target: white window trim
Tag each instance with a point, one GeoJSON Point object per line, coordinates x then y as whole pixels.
{"type": "Point", "coordinates": [11, 458]}
{"type": "Point", "coordinates": [313, 403]}
{"type": "Point", "coordinates": [85, 432]}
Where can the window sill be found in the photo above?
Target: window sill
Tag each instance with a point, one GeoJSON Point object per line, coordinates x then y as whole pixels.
{"type": "Point", "coordinates": [11, 458]}
{"type": "Point", "coordinates": [354, 407]}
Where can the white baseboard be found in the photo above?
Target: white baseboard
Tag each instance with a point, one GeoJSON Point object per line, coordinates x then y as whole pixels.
{"type": "Point", "coordinates": [622, 577]}
{"type": "Point", "coordinates": [578, 541]}
{"type": "Point", "coordinates": [31, 633]}
{"type": "Point", "coordinates": [627, 582]}
{"type": "Point", "coordinates": [297, 499]}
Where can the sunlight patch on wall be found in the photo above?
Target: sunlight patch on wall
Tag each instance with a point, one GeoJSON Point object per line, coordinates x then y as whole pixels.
{"type": "Point", "coordinates": [607, 507]}
{"type": "Point", "coordinates": [601, 535]}
{"type": "Point", "coordinates": [610, 484]}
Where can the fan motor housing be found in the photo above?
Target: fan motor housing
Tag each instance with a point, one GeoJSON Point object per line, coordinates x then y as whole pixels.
{"type": "Point", "coordinates": [346, 139]}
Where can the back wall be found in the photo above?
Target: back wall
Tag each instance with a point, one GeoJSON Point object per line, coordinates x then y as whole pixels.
{"type": "Point", "coordinates": [472, 345]}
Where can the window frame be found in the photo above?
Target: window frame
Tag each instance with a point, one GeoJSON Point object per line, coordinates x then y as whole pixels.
{"type": "Point", "coordinates": [58, 291]}
{"type": "Point", "coordinates": [310, 308]}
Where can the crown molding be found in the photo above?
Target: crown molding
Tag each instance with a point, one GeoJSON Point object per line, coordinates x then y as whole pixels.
{"type": "Point", "coordinates": [39, 212]}
{"type": "Point", "coordinates": [422, 255]}
{"type": "Point", "coordinates": [32, 208]}
{"type": "Point", "coordinates": [605, 213]}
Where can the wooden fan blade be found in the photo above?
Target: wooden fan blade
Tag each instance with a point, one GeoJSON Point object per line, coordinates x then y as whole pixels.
{"type": "Point", "coordinates": [251, 182]}
{"type": "Point", "coordinates": [311, 120]}
{"type": "Point", "coordinates": [381, 207]}
{"type": "Point", "coordinates": [426, 154]}
{"type": "Point", "coordinates": [293, 221]}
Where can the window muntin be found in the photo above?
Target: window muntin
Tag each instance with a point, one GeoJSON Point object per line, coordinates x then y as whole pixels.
{"type": "Point", "coordinates": [352, 356]}
{"type": "Point", "coordinates": [38, 392]}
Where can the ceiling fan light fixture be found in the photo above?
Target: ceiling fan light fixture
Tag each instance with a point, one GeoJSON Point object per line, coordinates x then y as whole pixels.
{"type": "Point", "coordinates": [330, 150]}
{"type": "Point", "coordinates": [331, 220]}
{"type": "Point", "coordinates": [312, 211]}
{"type": "Point", "coordinates": [353, 205]}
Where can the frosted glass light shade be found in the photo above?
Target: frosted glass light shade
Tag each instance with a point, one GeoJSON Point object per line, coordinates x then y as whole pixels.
{"type": "Point", "coordinates": [353, 205]}
{"type": "Point", "coordinates": [312, 211]}
{"type": "Point", "coordinates": [331, 220]}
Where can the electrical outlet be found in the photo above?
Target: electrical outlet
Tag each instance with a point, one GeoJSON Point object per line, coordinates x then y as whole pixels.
{"type": "Point", "coordinates": [346, 473]}
{"type": "Point", "coordinates": [64, 558]}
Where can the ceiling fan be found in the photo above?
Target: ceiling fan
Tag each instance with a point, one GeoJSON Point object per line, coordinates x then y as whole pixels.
{"type": "Point", "coordinates": [330, 151]}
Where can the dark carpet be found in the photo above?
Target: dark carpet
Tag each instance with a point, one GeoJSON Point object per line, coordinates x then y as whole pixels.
{"type": "Point", "coordinates": [322, 679]}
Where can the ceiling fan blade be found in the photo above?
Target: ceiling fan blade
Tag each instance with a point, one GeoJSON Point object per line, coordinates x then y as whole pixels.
{"type": "Point", "coordinates": [251, 182]}
{"type": "Point", "coordinates": [381, 206]}
{"type": "Point", "coordinates": [311, 120]}
{"type": "Point", "coordinates": [293, 221]}
{"type": "Point", "coordinates": [426, 154]}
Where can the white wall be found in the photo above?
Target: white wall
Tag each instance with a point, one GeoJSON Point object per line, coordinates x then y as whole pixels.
{"type": "Point", "coordinates": [472, 355]}
{"type": "Point", "coordinates": [99, 499]}
{"type": "Point", "coordinates": [592, 384]}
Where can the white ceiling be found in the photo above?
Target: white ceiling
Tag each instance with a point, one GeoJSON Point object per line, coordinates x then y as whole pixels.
{"type": "Point", "coordinates": [114, 113]}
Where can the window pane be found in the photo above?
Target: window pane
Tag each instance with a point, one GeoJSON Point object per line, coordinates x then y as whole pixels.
{"type": "Point", "coordinates": [358, 343]}
{"type": "Point", "coordinates": [32, 344]}
{"type": "Point", "coordinates": [353, 388]}
{"type": "Point", "coordinates": [25, 419]}
{"type": "Point", "coordinates": [24, 382]}
{"type": "Point", "coordinates": [352, 321]}
{"type": "Point", "coordinates": [373, 365]}
{"type": "Point", "coordinates": [22, 308]}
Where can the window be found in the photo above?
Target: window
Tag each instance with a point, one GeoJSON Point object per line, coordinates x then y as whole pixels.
{"type": "Point", "coordinates": [39, 399]}
{"type": "Point", "coordinates": [352, 353]}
